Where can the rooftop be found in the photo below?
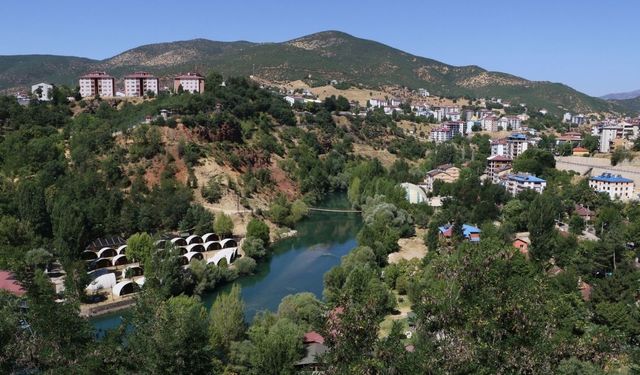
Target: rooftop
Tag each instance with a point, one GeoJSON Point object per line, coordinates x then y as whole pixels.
{"type": "Point", "coordinates": [610, 177]}
{"type": "Point", "coordinates": [96, 75]}
{"type": "Point", "coordinates": [521, 177]}
{"type": "Point", "coordinates": [10, 284]}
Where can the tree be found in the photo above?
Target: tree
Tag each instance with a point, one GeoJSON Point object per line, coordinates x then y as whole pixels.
{"type": "Point", "coordinates": [535, 161]}
{"type": "Point", "coordinates": [304, 309]}
{"type": "Point", "coordinates": [140, 247]}
{"type": "Point", "coordinates": [542, 213]}
{"type": "Point", "coordinates": [576, 225]}
{"type": "Point", "coordinates": [245, 265]}
{"type": "Point", "coordinates": [258, 229]}
{"type": "Point", "coordinates": [197, 219]}
{"type": "Point", "coordinates": [223, 225]}
{"type": "Point", "coordinates": [226, 320]}
{"type": "Point", "coordinates": [275, 345]}
{"type": "Point", "coordinates": [254, 248]}
{"type": "Point", "coordinates": [212, 192]}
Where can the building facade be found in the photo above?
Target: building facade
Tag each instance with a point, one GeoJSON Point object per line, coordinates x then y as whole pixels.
{"type": "Point", "coordinates": [190, 82]}
{"type": "Point", "coordinates": [517, 183]}
{"type": "Point", "coordinates": [42, 91]}
{"type": "Point", "coordinates": [140, 83]}
{"type": "Point", "coordinates": [445, 173]}
{"type": "Point", "coordinates": [97, 83]}
{"type": "Point", "coordinates": [616, 186]}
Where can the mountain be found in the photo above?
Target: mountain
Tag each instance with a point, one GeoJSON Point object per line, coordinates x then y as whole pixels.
{"type": "Point", "coordinates": [322, 56]}
{"type": "Point", "coordinates": [629, 105]}
{"type": "Point", "coordinates": [623, 95]}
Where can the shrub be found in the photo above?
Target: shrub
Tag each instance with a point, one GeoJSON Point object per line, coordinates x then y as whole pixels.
{"type": "Point", "coordinates": [245, 265]}
{"type": "Point", "coordinates": [254, 248]}
{"type": "Point", "coordinates": [258, 229]}
{"type": "Point", "coordinates": [212, 192]}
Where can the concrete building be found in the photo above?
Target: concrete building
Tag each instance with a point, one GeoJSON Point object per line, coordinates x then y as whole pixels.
{"type": "Point", "coordinates": [441, 134]}
{"type": "Point", "coordinates": [607, 137]}
{"type": "Point", "coordinates": [414, 193]}
{"type": "Point", "coordinates": [445, 173]}
{"type": "Point", "coordinates": [140, 83]}
{"type": "Point", "coordinates": [497, 163]}
{"type": "Point", "coordinates": [517, 183]}
{"type": "Point", "coordinates": [42, 91]}
{"type": "Point", "coordinates": [517, 143]}
{"type": "Point", "coordinates": [191, 82]}
{"type": "Point", "coordinates": [616, 186]}
{"type": "Point", "coordinates": [97, 83]}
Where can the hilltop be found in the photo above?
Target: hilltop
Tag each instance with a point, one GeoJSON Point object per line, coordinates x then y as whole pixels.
{"type": "Point", "coordinates": [316, 58]}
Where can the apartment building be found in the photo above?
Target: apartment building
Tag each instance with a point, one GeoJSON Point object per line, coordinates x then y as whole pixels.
{"type": "Point", "coordinates": [97, 83]}
{"type": "Point", "coordinates": [516, 183]}
{"type": "Point", "coordinates": [190, 82]}
{"type": "Point", "coordinates": [616, 186]}
{"type": "Point", "coordinates": [140, 83]}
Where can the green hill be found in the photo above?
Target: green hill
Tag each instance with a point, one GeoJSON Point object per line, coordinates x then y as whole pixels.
{"type": "Point", "coordinates": [322, 56]}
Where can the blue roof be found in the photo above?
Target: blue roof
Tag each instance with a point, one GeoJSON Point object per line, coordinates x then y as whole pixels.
{"type": "Point", "coordinates": [467, 229]}
{"type": "Point", "coordinates": [525, 178]}
{"type": "Point", "coordinates": [610, 177]}
{"type": "Point", "coordinates": [518, 136]}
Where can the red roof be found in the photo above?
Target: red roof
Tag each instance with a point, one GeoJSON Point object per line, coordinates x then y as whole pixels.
{"type": "Point", "coordinates": [140, 75]}
{"type": "Point", "coordinates": [313, 336]}
{"type": "Point", "coordinates": [10, 284]}
{"type": "Point", "coordinates": [580, 149]}
{"type": "Point", "coordinates": [499, 158]}
{"type": "Point", "coordinates": [190, 76]}
{"type": "Point", "coordinates": [97, 75]}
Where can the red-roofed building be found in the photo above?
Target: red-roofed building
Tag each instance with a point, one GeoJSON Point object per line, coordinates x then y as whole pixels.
{"type": "Point", "coordinates": [139, 83]}
{"type": "Point", "coordinates": [580, 151]}
{"type": "Point", "coordinates": [313, 336]}
{"type": "Point", "coordinates": [97, 83]}
{"type": "Point", "coordinates": [10, 284]}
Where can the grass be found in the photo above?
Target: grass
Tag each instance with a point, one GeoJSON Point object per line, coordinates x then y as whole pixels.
{"type": "Point", "coordinates": [404, 306]}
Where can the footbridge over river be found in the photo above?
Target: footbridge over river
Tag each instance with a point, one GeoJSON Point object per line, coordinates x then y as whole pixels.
{"type": "Point", "coordinates": [336, 210]}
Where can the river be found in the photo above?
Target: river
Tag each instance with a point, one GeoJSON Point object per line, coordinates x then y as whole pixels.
{"type": "Point", "coordinates": [298, 264]}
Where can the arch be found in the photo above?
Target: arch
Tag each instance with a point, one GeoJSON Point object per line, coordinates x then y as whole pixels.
{"type": "Point", "coordinates": [107, 252]}
{"type": "Point", "coordinates": [182, 250]}
{"type": "Point", "coordinates": [120, 260]}
{"type": "Point", "coordinates": [107, 280]}
{"type": "Point", "coordinates": [140, 280]}
{"type": "Point", "coordinates": [192, 255]}
{"type": "Point", "coordinates": [195, 247]}
{"type": "Point", "coordinates": [179, 241]}
{"type": "Point", "coordinates": [121, 249]}
{"type": "Point", "coordinates": [125, 287]}
{"type": "Point", "coordinates": [194, 238]}
{"type": "Point", "coordinates": [210, 237]}
{"type": "Point", "coordinates": [212, 245]}
{"type": "Point", "coordinates": [135, 271]}
{"type": "Point", "coordinates": [183, 260]}
{"type": "Point", "coordinates": [228, 242]}
{"type": "Point", "coordinates": [227, 254]}
{"type": "Point", "coordinates": [89, 255]}
{"type": "Point", "coordinates": [101, 263]}
{"type": "Point", "coordinates": [160, 244]}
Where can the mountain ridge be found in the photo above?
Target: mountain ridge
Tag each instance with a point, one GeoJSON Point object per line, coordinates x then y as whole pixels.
{"type": "Point", "coordinates": [317, 58]}
{"type": "Point", "coordinates": [622, 95]}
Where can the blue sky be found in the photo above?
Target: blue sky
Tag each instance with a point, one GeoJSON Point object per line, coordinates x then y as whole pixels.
{"type": "Point", "coordinates": [593, 46]}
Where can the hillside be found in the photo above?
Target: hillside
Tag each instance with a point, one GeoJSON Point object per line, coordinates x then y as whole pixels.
{"type": "Point", "coordinates": [623, 95]}
{"type": "Point", "coordinates": [630, 105]}
{"type": "Point", "coordinates": [322, 56]}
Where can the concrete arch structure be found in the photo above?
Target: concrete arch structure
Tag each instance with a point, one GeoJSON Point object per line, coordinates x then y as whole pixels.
{"type": "Point", "coordinates": [228, 243]}
{"type": "Point", "coordinates": [182, 250]}
{"type": "Point", "coordinates": [89, 255]}
{"type": "Point", "coordinates": [107, 252]}
{"type": "Point", "coordinates": [120, 260]}
{"type": "Point", "coordinates": [101, 263]}
{"type": "Point", "coordinates": [228, 254]}
{"type": "Point", "coordinates": [193, 255]}
{"type": "Point", "coordinates": [108, 280]}
{"type": "Point", "coordinates": [178, 241]}
{"type": "Point", "coordinates": [194, 238]}
{"type": "Point", "coordinates": [210, 237]}
{"type": "Point", "coordinates": [195, 247]}
{"type": "Point", "coordinates": [121, 249]}
{"type": "Point", "coordinates": [160, 244]}
{"type": "Point", "coordinates": [125, 287]}
{"type": "Point", "coordinates": [212, 245]}
{"type": "Point", "coordinates": [135, 271]}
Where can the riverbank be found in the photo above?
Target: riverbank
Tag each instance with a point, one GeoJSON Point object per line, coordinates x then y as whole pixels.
{"type": "Point", "coordinates": [107, 307]}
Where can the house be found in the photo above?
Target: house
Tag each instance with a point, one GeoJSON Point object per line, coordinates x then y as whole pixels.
{"type": "Point", "coordinates": [616, 186]}
{"type": "Point", "coordinates": [42, 91]}
{"type": "Point", "coordinates": [469, 232]}
{"type": "Point", "coordinates": [9, 284]}
{"type": "Point", "coordinates": [97, 83]}
{"type": "Point", "coordinates": [522, 243]}
{"type": "Point", "coordinates": [414, 193]}
{"type": "Point", "coordinates": [314, 348]}
{"type": "Point", "coordinates": [574, 138]}
{"type": "Point", "coordinates": [580, 151]}
{"type": "Point", "coordinates": [445, 173]}
{"type": "Point", "coordinates": [517, 183]}
{"type": "Point", "coordinates": [190, 82]}
{"type": "Point", "coordinates": [140, 83]}
{"type": "Point", "coordinates": [583, 212]}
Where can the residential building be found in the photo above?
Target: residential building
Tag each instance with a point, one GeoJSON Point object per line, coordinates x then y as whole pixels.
{"type": "Point", "coordinates": [574, 138]}
{"type": "Point", "coordinates": [580, 151]}
{"type": "Point", "coordinates": [441, 134]}
{"type": "Point", "coordinates": [498, 146]}
{"type": "Point", "coordinates": [607, 137]}
{"type": "Point", "coordinates": [469, 232]}
{"type": "Point", "coordinates": [517, 143]}
{"type": "Point", "coordinates": [517, 183]}
{"type": "Point", "coordinates": [489, 123]}
{"type": "Point", "coordinates": [616, 186]}
{"type": "Point", "coordinates": [522, 243]}
{"type": "Point", "coordinates": [97, 83]}
{"type": "Point", "coordinates": [42, 91]}
{"type": "Point", "coordinates": [190, 82]}
{"type": "Point", "coordinates": [8, 283]}
{"type": "Point", "coordinates": [423, 92]}
{"type": "Point", "coordinates": [583, 212]}
{"type": "Point", "coordinates": [140, 83]}
{"type": "Point", "coordinates": [445, 173]}
{"type": "Point", "coordinates": [497, 163]}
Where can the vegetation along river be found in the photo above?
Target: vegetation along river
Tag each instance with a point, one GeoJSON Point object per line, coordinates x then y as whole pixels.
{"type": "Point", "coordinates": [298, 264]}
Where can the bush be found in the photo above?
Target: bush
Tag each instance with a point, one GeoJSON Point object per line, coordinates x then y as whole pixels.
{"type": "Point", "coordinates": [223, 225]}
{"type": "Point", "coordinates": [254, 248]}
{"type": "Point", "coordinates": [245, 265]}
{"type": "Point", "coordinates": [212, 192]}
{"type": "Point", "coordinates": [258, 229]}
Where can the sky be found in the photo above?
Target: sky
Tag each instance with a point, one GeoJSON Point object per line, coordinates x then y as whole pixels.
{"type": "Point", "coordinates": [590, 45]}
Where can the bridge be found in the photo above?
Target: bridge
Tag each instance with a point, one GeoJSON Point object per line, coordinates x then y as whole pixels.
{"type": "Point", "coordinates": [333, 210]}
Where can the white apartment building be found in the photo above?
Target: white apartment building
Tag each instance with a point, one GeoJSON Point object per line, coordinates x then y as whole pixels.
{"type": "Point", "coordinates": [97, 83]}
{"type": "Point", "coordinates": [616, 186]}
{"type": "Point", "coordinates": [139, 83]}
{"type": "Point", "coordinates": [516, 183]}
{"type": "Point", "coordinates": [42, 91]}
{"type": "Point", "coordinates": [607, 136]}
{"type": "Point", "coordinates": [190, 82]}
